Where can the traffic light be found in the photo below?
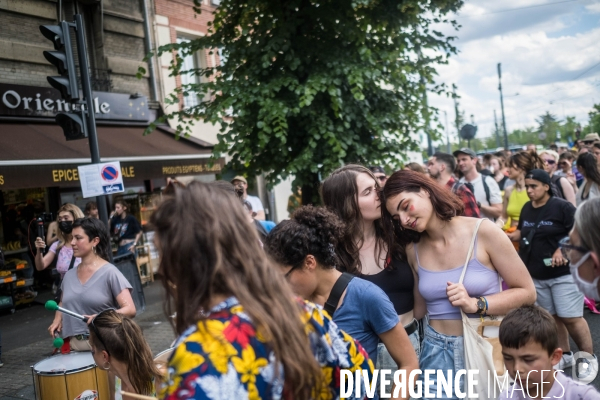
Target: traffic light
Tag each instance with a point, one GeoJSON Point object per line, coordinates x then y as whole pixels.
{"type": "Point", "coordinates": [73, 125]}
{"type": "Point", "coordinates": [62, 59]}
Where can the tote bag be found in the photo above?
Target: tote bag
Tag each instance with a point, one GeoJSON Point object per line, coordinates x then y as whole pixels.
{"type": "Point", "coordinates": [482, 346]}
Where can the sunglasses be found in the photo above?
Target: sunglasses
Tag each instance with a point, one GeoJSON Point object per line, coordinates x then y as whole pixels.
{"type": "Point", "coordinates": [97, 332]}
{"type": "Point", "coordinates": [566, 247]}
{"type": "Point", "coordinates": [550, 162]}
{"type": "Point", "coordinates": [562, 163]}
{"type": "Point", "coordinates": [381, 178]}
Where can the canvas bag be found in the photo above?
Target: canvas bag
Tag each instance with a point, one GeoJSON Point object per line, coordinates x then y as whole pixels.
{"type": "Point", "coordinates": [482, 346]}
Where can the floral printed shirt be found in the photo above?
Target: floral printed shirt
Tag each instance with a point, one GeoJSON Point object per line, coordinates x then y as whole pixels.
{"type": "Point", "coordinates": [223, 358]}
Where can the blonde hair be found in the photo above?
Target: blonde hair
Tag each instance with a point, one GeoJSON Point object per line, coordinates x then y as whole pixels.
{"type": "Point", "coordinates": [550, 153]}
{"type": "Point", "coordinates": [75, 212]}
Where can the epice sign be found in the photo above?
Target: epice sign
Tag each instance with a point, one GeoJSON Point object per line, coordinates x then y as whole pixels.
{"type": "Point", "coordinates": [100, 179]}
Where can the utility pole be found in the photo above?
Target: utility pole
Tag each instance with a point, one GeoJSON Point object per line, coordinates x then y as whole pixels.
{"type": "Point", "coordinates": [502, 106]}
{"type": "Point", "coordinates": [496, 130]}
{"type": "Point", "coordinates": [427, 128]}
{"type": "Point", "coordinates": [449, 150]}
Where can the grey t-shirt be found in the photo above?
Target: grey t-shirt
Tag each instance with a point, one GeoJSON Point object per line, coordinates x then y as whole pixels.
{"type": "Point", "coordinates": [99, 293]}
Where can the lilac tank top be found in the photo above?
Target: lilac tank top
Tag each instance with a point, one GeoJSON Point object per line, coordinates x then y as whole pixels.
{"type": "Point", "coordinates": [479, 281]}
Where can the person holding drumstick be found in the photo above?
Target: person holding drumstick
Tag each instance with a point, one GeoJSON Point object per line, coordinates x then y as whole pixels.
{"type": "Point", "coordinates": [118, 346]}
{"type": "Point", "coordinates": [91, 287]}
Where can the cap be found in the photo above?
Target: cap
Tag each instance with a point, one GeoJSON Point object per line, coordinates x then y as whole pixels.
{"type": "Point", "coordinates": [541, 176]}
{"type": "Point", "coordinates": [465, 150]}
{"type": "Point", "coordinates": [239, 178]}
{"type": "Point", "coordinates": [590, 137]}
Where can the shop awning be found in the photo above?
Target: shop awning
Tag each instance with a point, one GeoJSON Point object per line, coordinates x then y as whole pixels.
{"type": "Point", "coordinates": [37, 155]}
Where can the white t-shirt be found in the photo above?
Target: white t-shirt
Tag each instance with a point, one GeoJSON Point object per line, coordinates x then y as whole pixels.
{"type": "Point", "coordinates": [255, 203]}
{"type": "Point", "coordinates": [495, 195]}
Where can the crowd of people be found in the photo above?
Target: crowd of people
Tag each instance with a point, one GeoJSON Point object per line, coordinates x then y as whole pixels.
{"type": "Point", "coordinates": [391, 272]}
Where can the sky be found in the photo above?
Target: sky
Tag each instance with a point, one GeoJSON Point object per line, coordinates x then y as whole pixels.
{"type": "Point", "coordinates": [550, 55]}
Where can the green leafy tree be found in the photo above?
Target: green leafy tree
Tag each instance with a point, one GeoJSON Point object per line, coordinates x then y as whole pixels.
{"type": "Point", "coordinates": [304, 86]}
{"type": "Point", "coordinates": [594, 124]}
{"type": "Point", "coordinates": [549, 125]}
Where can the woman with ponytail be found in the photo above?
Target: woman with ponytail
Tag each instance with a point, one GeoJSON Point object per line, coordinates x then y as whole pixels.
{"type": "Point", "coordinates": [119, 347]}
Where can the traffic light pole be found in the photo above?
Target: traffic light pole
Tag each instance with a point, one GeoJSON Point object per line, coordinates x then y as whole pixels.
{"type": "Point", "coordinates": [502, 106]}
{"type": "Point", "coordinates": [90, 118]}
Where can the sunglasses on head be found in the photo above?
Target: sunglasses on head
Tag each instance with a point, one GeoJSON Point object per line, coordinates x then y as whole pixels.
{"type": "Point", "coordinates": [97, 332]}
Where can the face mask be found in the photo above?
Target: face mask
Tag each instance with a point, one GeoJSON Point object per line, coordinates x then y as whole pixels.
{"type": "Point", "coordinates": [589, 289]}
{"type": "Point", "coordinates": [66, 226]}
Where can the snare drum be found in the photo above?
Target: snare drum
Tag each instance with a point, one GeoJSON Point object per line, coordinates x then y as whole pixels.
{"type": "Point", "coordinates": [162, 359]}
{"type": "Point", "coordinates": [71, 376]}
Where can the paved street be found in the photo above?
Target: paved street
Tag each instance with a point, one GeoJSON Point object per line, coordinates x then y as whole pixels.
{"type": "Point", "coordinates": [25, 340]}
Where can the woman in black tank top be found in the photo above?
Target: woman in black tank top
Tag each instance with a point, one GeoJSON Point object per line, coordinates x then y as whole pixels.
{"type": "Point", "coordinates": [368, 251]}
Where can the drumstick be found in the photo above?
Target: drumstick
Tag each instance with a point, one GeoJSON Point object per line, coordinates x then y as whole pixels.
{"type": "Point", "coordinates": [51, 305]}
{"type": "Point", "coordinates": [137, 396]}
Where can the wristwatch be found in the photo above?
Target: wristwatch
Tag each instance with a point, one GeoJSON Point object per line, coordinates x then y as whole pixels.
{"type": "Point", "coordinates": [481, 306]}
{"type": "Point", "coordinates": [478, 204]}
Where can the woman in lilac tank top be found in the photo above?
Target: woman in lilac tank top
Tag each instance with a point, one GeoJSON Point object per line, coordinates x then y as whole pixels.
{"type": "Point", "coordinates": [424, 216]}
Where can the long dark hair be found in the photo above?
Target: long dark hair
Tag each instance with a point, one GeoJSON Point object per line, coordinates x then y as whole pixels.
{"type": "Point", "coordinates": [125, 341]}
{"type": "Point", "coordinates": [589, 165]}
{"type": "Point", "coordinates": [446, 204]}
{"type": "Point", "coordinates": [311, 230]}
{"type": "Point", "coordinates": [340, 194]}
{"type": "Point", "coordinates": [207, 248]}
{"type": "Point", "coordinates": [94, 228]}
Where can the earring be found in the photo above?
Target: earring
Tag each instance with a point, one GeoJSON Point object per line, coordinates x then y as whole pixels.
{"type": "Point", "coordinates": [106, 368]}
{"type": "Point", "coordinates": [94, 249]}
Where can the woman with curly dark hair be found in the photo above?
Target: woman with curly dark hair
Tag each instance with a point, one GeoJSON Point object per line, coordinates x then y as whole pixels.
{"type": "Point", "coordinates": [304, 247]}
{"type": "Point", "coordinates": [369, 251]}
{"type": "Point", "coordinates": [424, 214]}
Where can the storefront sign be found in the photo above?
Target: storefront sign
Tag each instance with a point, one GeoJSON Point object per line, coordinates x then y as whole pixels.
{"type": "Point", "coordinates": [32, 101]}
{"type": "Point", "coordinates": [101, 179]}
{"type": "Point", "coordinates": [68, 175]}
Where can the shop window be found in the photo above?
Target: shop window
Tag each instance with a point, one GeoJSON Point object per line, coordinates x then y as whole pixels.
{"type": "Point", "coordinates": [191, 62]}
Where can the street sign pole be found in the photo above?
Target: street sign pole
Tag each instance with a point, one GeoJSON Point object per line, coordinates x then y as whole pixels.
{"type": "Point", "coordinates": [90, 119]}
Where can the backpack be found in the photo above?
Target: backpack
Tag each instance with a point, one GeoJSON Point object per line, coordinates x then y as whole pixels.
{"type": "Point", "coordinates": [486, 188]}
{"type": "Point", "coordinates": [556, 187]}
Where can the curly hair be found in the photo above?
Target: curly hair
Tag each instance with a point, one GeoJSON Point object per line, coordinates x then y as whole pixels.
{"type": "Point", "coordinates": [312, 230]}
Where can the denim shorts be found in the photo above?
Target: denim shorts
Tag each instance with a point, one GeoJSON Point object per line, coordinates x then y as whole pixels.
{"type": "Point", "coordinates": [385, 360]}
{"type": "Point", "coordinates": [441, 352]}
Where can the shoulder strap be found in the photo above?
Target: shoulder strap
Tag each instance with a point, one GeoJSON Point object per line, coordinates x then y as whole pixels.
{"type": "Point", "coordinates": [486, 188]}
{"type": "Point", "coordinates": [336, 292]}
{"type": "Point", "coordinates": [72, 263]}
{"type": "Point", "coordinates": [470, 252]}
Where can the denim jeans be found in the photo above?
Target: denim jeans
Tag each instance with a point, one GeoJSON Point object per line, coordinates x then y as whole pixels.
{"type": "Point", "coordinates": [385, 360]}
{"type": "Point", "coordinates": [442, 352]}
{"type": "Point", "coordinates": [125, 250]}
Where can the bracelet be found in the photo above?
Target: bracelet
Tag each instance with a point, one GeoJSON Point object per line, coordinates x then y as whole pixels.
{"type": "Point", "coordinates": [486, 305]}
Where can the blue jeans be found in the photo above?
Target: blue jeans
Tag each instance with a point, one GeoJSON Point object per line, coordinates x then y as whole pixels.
{"type": "Point", "coordinates": [125, 250]}
{"type": "Point", "coordinates": [385, 360]}
{"type": "Point", "coordinates": [442, 352]}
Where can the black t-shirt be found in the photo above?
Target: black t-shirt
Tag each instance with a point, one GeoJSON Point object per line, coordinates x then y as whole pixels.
{"type": "Point", "coordinates": [556, 218]}
{"type": "Point", "coordinates": [398, 282]}
{"type": "Point", "coordinates": [126, 228]}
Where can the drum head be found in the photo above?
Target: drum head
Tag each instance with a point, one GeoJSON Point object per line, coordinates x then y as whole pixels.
{"type": "Point", "coordinates": [65, 364]}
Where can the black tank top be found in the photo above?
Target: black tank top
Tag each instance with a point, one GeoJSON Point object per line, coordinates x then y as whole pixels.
{"type": "Point", "coordinates": [398, 282]}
